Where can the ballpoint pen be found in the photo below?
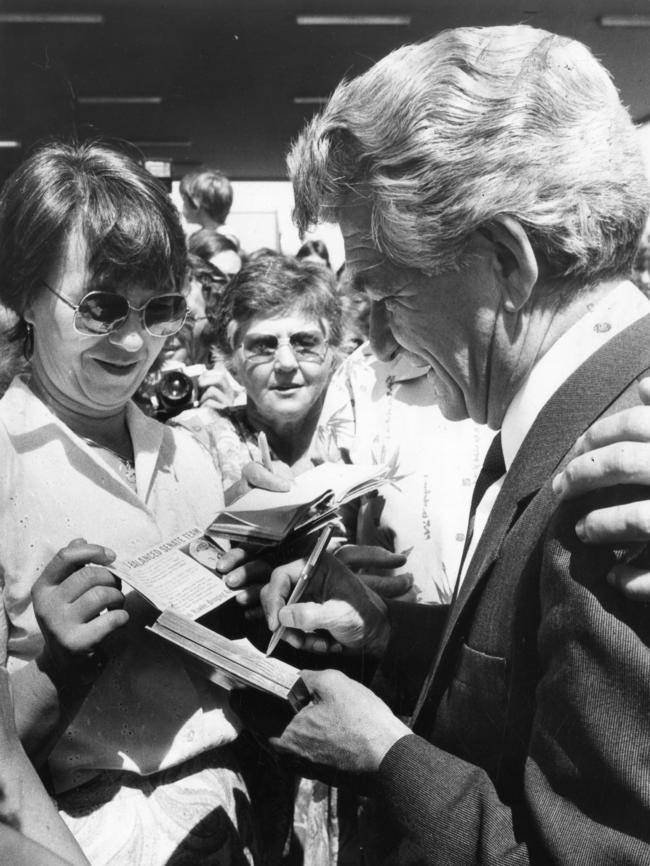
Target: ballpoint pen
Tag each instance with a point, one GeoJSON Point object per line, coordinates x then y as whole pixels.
{"type": "Point", "coordinates": [301, 585]}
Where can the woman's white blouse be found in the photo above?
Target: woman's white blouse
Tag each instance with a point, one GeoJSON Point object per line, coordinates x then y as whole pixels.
{"type": "Point", "coordinates": [145, 712]}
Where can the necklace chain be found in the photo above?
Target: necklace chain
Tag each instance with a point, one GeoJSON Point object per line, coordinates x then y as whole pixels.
{"type": "Point", "coordinates": [126, 465]}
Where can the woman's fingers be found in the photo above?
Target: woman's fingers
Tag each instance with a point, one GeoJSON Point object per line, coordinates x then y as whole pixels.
{"type": "Point", "coordinates": [84, 580]}
{"type": "Point", "coordinates": [254, 572]}
{"type": "Point", "coordinates": [259, 476]}
{"type": "Point", "coordinates": [96, 600]}
{"type": "Point", "coordinates": [249, 596]}
{"type": "Point", "coordinates": [73, 557]}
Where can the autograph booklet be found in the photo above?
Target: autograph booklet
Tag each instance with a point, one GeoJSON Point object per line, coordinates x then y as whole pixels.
{"type": "Point", "coordinates": [180, 578]}
{"type": "Point", "coordinates": [180, 573]}
{"type": "Point", "coordinates": [268, 517]}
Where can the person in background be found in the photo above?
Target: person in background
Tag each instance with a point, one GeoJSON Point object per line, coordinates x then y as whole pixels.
{"type": "Point", "coordinates": [530, 710]}
{"type": "Point", "coordinates": [385, 411]}
{"type": "Point", "coordinates": [356, 313]}
{"type": "Point", "coordinates": [217, 249]}
{"type": "Point", "coordinates": [207, 198]}
{"type": "Point", "coordinates": [205, 285]}
{"type": "Point", "coordinates": [190, 370]}
{"type": "Point", "coordinates": [314, 251]}
{"type": "Point", "coordinates": [139, 751]}
{"type": "Point", "coordinates": [278, 328]}
{"type": "Point", "coordinates": [12, 360]}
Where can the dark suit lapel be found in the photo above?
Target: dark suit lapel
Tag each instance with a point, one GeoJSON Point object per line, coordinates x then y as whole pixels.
{"type": "Point", "coordinates": [585, 395]}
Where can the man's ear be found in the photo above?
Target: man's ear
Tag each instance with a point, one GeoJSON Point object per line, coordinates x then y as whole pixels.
{"type": "Point", "coordinates": [516, 260]}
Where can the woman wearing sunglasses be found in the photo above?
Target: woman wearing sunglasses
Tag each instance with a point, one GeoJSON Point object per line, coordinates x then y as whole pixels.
{"type": "Point", "coordinates": [93, 262]}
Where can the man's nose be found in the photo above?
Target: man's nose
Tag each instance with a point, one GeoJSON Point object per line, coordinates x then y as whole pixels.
{"type": "Point", "coordinates": [382, 342]}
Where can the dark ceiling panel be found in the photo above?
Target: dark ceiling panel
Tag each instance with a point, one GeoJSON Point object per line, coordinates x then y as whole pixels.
{"type": "Point", "coordinates": [227, 70]}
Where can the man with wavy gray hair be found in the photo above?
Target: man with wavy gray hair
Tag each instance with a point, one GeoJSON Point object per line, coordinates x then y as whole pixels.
{"type": "Point", "coordinates": [491, 195]}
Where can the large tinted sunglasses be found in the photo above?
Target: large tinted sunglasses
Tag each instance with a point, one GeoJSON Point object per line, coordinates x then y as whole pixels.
{"type": "Point", "coordinates": [102, 312]}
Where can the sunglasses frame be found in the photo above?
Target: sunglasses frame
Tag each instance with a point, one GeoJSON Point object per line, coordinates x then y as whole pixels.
{"type": "Point", "coordinates": [117, 324]}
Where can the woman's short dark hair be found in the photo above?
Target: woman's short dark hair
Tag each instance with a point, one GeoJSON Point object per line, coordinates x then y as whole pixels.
{"type": "Point", "coordinates": [128, 221]}
{"type": "Point", "coordinates": [276, 285]}
{"type": "Point", "coordinates": [208, 242]}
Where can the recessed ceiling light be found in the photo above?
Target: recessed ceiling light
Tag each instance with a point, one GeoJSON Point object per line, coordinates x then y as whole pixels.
{"type": "Point", "coordinates": [624, 20]}
{"type": "Point", "coordinates": [8, 144]}
{"type": "Point", "coordinates": [50, 18]}
{"type": "Point", "coordinates": [119, 100]}
{"type": "Point", "coordinates": [353, 20]}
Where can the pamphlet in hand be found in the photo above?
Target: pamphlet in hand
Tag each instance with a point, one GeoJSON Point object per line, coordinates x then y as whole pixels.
{"type": "Point", "coordinates": [180, 573]}
{"type": "Point", "coordinates": [269, 517]}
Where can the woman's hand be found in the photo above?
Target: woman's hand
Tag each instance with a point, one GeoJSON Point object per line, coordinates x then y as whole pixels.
{"type": "Point", "coordinates": [77, 604]}
{"type": "Point", "coordinates": [218, 389]}
{"type": "Point", "coordinates": [343, 613]}
{"type": "Point", "coordinates": [278, 478]}
{"type": "Point", "coordinates": [374, 566]}
{"type": "Point", "coordinates": [241, 571]}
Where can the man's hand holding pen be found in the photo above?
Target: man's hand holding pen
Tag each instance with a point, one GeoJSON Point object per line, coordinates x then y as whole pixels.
{"type": "Point", "coordinates": [345, 725]}
{"type": "Point", "coordinates": [336, 612]}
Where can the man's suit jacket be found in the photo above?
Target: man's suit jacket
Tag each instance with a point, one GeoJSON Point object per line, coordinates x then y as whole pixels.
{"type": "Point", "coordinates": [533, 742]}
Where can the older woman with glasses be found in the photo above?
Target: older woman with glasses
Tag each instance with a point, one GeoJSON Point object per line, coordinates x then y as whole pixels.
{"type": "Point", "coordinates": [279, 327]}
{"type": "Point", "coordinates": [140, 756]}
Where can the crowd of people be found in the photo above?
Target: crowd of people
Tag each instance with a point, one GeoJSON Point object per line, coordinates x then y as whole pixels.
{"type": "Point", "coordinates": [476, 642]}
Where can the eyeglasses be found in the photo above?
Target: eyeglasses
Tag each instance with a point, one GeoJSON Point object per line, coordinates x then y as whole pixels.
{"type": "Point", "coordinates": [305, 345]}
{"type": "Point", "coordinates": [100, 312]}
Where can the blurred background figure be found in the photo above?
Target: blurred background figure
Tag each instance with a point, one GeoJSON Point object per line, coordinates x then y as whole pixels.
{"type": "Point", "coordinates": [314, 251]}
{"type": "Point", "coordinates": [12, 359]}
{"type": "Point", "coordinates": [190, 370]}
{"type": "Point", "coordinates": [355, 309]}
{"type": "Point", "coordinates": [207, 198]}
{"type": "Point", "coordinates": [217, 249]}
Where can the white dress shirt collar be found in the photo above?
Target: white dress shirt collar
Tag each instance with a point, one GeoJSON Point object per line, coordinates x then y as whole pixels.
{"type": "Point", "coordinates": [606, 318]}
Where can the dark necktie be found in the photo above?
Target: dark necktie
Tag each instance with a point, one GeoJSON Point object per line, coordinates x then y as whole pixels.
{"type": "Point", "coordinates": [493, 468]}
